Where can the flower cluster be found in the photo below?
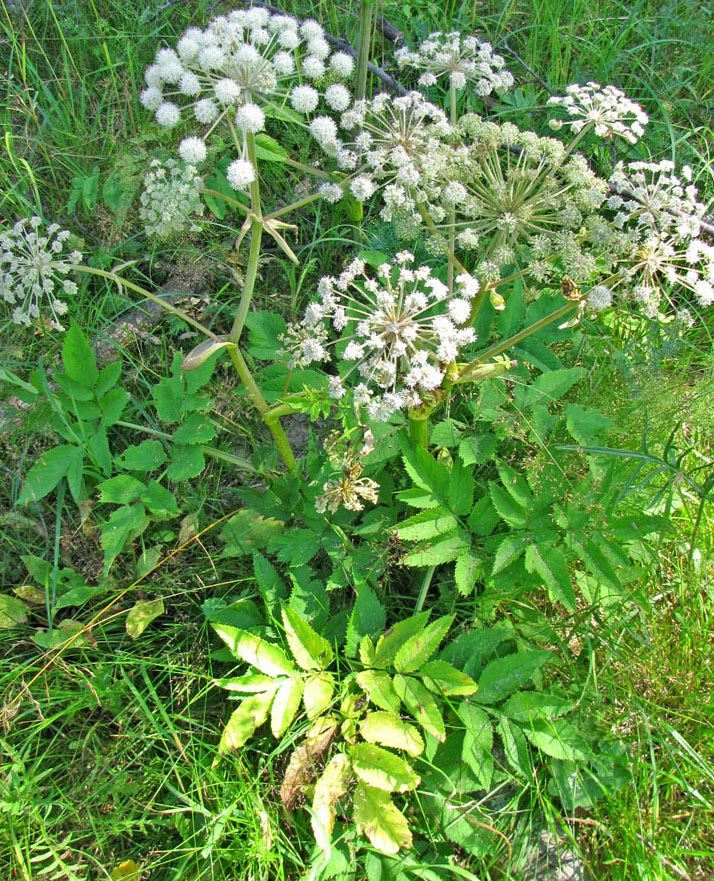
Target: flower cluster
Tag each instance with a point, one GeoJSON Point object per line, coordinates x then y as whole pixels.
{"type": "Point", "coordinates": [33, 270]}
{"type": "Point", "coordinates": [461, 59]}
{"type": "Point", "coordinates": [398, 332]}
{"type": "Point", "coordinates": [604, 108]}
{"type": "Point", "coordinates": [240, 63]}
{"type": "Point", "coordinates": [351, 489]}
{"type": "Point", "coordinates": [170, 198]}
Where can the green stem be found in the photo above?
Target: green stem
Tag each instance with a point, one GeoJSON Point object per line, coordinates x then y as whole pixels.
{"type": "Point", "coordinates": [533, 328]}
{"type": "Point", "coordinates": [421, 599]}
{"type": "Point", "coordinates": [419, 430]}
{"type": "Point", "coordinates": [431, 226]}
{"type": "Point", "coordinates": [365, 39]}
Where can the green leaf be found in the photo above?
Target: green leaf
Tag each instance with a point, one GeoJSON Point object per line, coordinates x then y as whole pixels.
{"type": "Point", "coordinates": [98, 450]}
{"type": "Point", "coordinates": [186, 462]}
{"type": "Point", "coordinates": [420, 705]}
{"type": "Point", "coordinates": [461, 491]}
{"type": "Point", "coordinates": [197, 429]}
{"type": "Point", "coordinates": [268, 149]}
{"type": "Point", "coordinates": [78, 357]}
{"type": "Point", "coordinates": [441, 678]}
{"type": "Point", "coordinates": [159, 500]}
{"type": "Point", "coordinates": [112, 406]}
{"type": "Point", "coordinates": [251, 713]}
{"type": "Point", "coordinates": [78, 596]}
{"type": "Point", "coordinates": [508, 508]}
{"type": "Point", "coordinates": [271, 586]}
{"type": "Point", "coordinates": [478, 742]}
{"type": "Point", "coordinates": [446, 433]}
{"type": "Point", "coordinates": [123, 525]}
{"type": "Point", "coordinates": [427, 524]}
{"type": "Point", "coordinates": [121, 490]}
{"type": "Point", "coordinates": [468, 568]}
{"type": "Point", "coordinates": [437, 551]}
{"type": "Point", "coordinates": [417, 650]}
{"type": "Point", "coordinates": [267, 658]}
{"type": "Point", "coordinates": [331, 785]}
{"type": "Point", "coordinates": [13, 612]}
{"type": "Point", "coordinates": [379, 768]}
{"type": "Point", "coordinates": [390, 642]}
{"type": "Point", "coordinates": [478, 450]}
{"type": "Point", "coordinates": [586, 425]}
{"type": "Point", "coordinates": [285, 706]}
{"type": "Point", "coordinates": [551, 386]}
{"type": "Point", "coordinates": [550, 564]}
{"type": "Point", "coordinates": [246, 532]}
{"type": "Point", "coordinates": [508, 551]}
{"type": "Point", "coordinates": [516, 485]}
{"type": "Point", "coordinates": [367, 619]}
{"type": "Point", "coordinates": [389, 730]}
{"type": "Point", "coordinates": [311, 651]}
{"type": "Point", "coordinates": [107, 379]}
{"type": "Point", "coordinates": [141, 614]}
{"type": "Point", "coordinates": [379, 689]}
{"type": "Point", "coordinates": [417, 498]}
{"type": "Point", "coordinates": [557, 739]}
{"type": "Point", "coordinates": [425, 471]}
{"type": "Point", "coordinates": [69, 634]}
{"type": "Point", "coordinates": [529, 706]}
{"type": "Point", "coordinates": [515, 747]}
{"type": "Point", "coordinates": [377, 817]}
{"type": "Point", "coordinates": [249, 683]}
{"type": "Point", "coordinates": [46, 473]}
{"type": "Point", "coordinates": [264, 332]}
{"type": "Point", "coordinates": [483, 517]}
{"type": "Point", "coordinates": [168, 396]}
{"type": "Point", "coordinates": [503, 676]}
{"type": "Point", "coordinates": [317, 695]}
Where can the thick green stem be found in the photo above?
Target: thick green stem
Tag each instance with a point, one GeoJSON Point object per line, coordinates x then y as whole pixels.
{"type": "Point", "coordinates": [365, 40]}
{"type": "Point", "coordinates": [419, 430]}
{"type": "Point", "coordinates": [521, 335]}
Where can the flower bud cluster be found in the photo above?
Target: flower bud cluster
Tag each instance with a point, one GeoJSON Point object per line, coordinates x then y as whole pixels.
{"type": "Point", "coordinates": [33, 271]}
{"type": "Point", "coordinates": [605, 108]}
{"type": "Point", "coordinates": [171, 197]}
{"type": "Point", "coordinates": [460, 59]}
{"type": "Point", "coordinates": [397, 332]}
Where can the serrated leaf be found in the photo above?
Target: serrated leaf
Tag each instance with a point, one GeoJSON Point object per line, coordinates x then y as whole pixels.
{"type": "Point", "coordinates": [441, 678]}
{"type": "Point", "coordinates": [367, 619]}
{"type": "Point", "coordinates": [121, 490]}
{"type": "Point", "coordinates": [331, 786]}
{"type": "Point", "coordinates": [551, 386]}
{"type": "Point", "coordinates": [586, 425]}
{"type": "Point", "coordinates": [317, 695]}
{"type": "Point", "coordinates": [159, 500]}
{"type": "Point", "coordinates": [468, 567]}
{"type": "Point", "coordinates": [78, 357]}
{"type": "Point", "coordinates": [187, 461]}
{"type": "Point", "coordinates": [123, 525]}
{"type": "Point", "coordinates": [483, 517]}
{"type": "Point", "coordinates": [197, 429]}
{"type": "Point", "coordinates": [379, 688]}
{"type": "Point", "coordinates": [508, 551]}
{"type": "Point", "coordinates": [310, 650]}
{"type": "Point", "coordinates": [145, 456]}
{"type": "Point", "coordinates": [440, 550]}
{"type": "Point", "coordinates": [515, 484]}
{"type": "Point", "coordinates": [264, 332]}
{"type": "Point", "coordinates": [557, 739]}
{"type": "Point", "coordinates": [427, 524]}
{"type": "Point", "coordinates": [478, 742]}
{"type": "Point", "coordinates": [515, 747]}
{"type": "Point", "coordinates": [251, 714]}
{"type": "Point", "coordinates": [552, 567]}
{"type": "Point", "coordinates": [528, 706]}
{"type": "Point", "coordinates": [420, 705]}
{"type": "Point", "coordinates": [390, 730]}
{"type": "Point", "coordinates": [500, 678]}
{"type": "Point", "coordinates": [417, 650]}
{"type": "Point", "coordinates": [379, 768]}
{"type": "Point", "coordinates": [250, 683]}
{"type": "Point", "coordinates": [461, 490]}
{"type": "Point", "coordinates": [267, 658]}
{"type": "Point", "coordinates": [393, 639]}
{"type": "Point", "coordinates": [508, 508]}
{"type": "Point", "coordinates": [377, 817]}
{"type": "Point", "coordinates": [46, 473]}
{"type": "Point", "coordinates": [303, 759]}
{"type": "Point", "coordinates": [366, 651]}
{"type": "Point", "coordinates": [141, 614]}
{"type": "Point", "coordinates": [477, 450]}
{"type": "Point", "coordinates": [417, 498]}
{"type": "Point", "coordinates": [425, 471]}
{"type": "Point", "coordinates": [285, 706]}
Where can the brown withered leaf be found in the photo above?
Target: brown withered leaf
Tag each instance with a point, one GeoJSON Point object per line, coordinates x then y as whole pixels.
{"type": "Point", "coordinates": [303, 761]}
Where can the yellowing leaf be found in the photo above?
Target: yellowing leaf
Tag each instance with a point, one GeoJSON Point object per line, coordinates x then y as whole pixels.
{"type": "Point", "coordinates": [30, 594]}
{"type": "Point", "coordinates": [390, 642]}
{"type": "Point", "coordinates": [269, 659]}
{"type": "Point", "coordinates": [126, 871]}
{"type": "Point", "coordinates": [310, 650]}
{"type": "Point", "coordinates": [417, 650]}
{"type": "Point", "coordinates": [251, 713]}
{"type": "Point", "coordinates": [142, 613]}
{"type": "Point", "coordinates": [318, 694]}
{"type": "Point", "coordinates": [377, 817]}
{"type": "Point", "coordinates": [331, 785]}
{"type": "Point", "coordinates": [13, 612]}
{"type": "Point", "coordinates": [366, 651]}
{"type": "Point", "coordinates": [378, 686]}
{"type": "Point", "coordinates": [389, 730]}
{"type": "Point", "coordinates": [378, 767]}
{"type": "Point", "coordinates": [442, 678]}
{"type": "Point", "coordinates": [303, 759]}
{"type": "Point", "coordinates": [248, 684]}
{"type": "Point", "coordinates": [285, 705]}
{"type": "Point", "coordinates": [420, 704]}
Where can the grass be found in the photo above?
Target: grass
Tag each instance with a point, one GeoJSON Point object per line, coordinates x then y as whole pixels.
{"type": "Point", "coordinates": [107, 750]}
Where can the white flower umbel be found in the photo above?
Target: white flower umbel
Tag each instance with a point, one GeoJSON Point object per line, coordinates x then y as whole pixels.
{"type": "Point", "coordinates": [459, 59]}
{"type": "Point", "coordinates": [34, 269]}
{"type": "Point", "coordinates": [398, 331]}
{"type": "Point", "coordinates": [171, 197]}
{"type": "Point", "coordinates": [605, 109]}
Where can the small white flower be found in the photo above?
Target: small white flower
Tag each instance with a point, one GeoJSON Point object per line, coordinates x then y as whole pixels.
{"type": "Point", "coordinates": [331, 192]}
{"type": "Point", "coordinates": [599, 298]}
{"type": "Point", "coordinates": [167, 115]}
{"type": "Point", "coordinates": [250, 118]}
{"type": "Point", "coordinates": [337, 97]}
{"type": "Point", "coordinates": [362, 188]}
{"type": "Point", "coordinates": [240, 174]}
{"type": "Point", "coordinates": [205, 110]}
{"type": "Point", "coordinates": [227, 91]}
{"type": "Point", "coordinates": [192, 150]}
{"type": "Point", "coordinates": [152, 98]}
{"type": "Point", "coordinates": [304, 99]}
{"type": "Point", "coordinates": [342, 64]}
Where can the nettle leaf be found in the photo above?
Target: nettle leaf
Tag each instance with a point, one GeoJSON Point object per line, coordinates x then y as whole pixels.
{"type": "Point", "coordinates": [437, 551]}
{"type": "Point", "coordinates": [310, 650]}
{"type": "Point", "coordinates": [249, 683]}
{"type": "Point", "coordinates": [503, 676]}
{"type": "Point", "coordinates": [331, 786]}
{"type": "Point", "coordinates": [478, 742]}
{"type": "Point", "coordinates": [78, 357]}
{"type": "Point", "coordinates": [390, 642]}
{"type": "Point", "coordinates": [377, 817]}
{"type": "Point", "coordinates": [529, 706]}
{"type": "Point", "coordinates": [420, 705]}
{"type": "Point", "coordinates": [390, 730]}
{"type": "Point", "coordinates": [379, 689]}
{"type": "Point", "coordinates": [317, 694]}
{"type": "Point", "coordinates": [441, 678]}
{"type": "Point", "coordinates": [141, 614]}
{"type": "Point", "coordinates": [417, 650]}
{"type": "Point", "coordinates": [381, 769]}
{"type": "Point", "coordinates": [367, 619]}
{"type": "Point", "coordinates": [427, 524]}
{"type": "Point", "coordinates": [552, 567]}
{"type": "Point", "coordinates": [285, 706]}
{"type": "Point", "coordinates": [241, 726]}
{"type": "Point", "coordinates": [267, 658]}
